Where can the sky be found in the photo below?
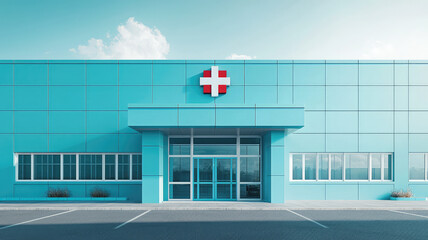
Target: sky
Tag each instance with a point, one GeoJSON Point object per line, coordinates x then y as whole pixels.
{"type": "Point", "coordinates": [220, 29]}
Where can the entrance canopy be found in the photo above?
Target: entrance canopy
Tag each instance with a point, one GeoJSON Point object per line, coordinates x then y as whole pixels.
{"type": "Point", "coordinates": [270, 117]}
{"type": "Point", "coordinates": [218, 175]}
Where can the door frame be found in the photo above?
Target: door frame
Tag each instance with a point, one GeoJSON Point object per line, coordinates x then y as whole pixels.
{"type": "Point", "coordinates": [214, 181]}
{"type": "Point", "coordinates": [238, 155]}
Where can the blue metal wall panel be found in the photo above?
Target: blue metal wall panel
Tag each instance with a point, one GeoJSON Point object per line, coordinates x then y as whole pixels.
{"type": "Point", "coordinates": [135, 74]}
{"type": "Point", "coordinates": [352, 106]}
{"type": "Point", "coordinates": [67, 74]}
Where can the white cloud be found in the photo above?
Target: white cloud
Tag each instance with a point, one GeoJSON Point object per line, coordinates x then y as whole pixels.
{"type": "Point", "coordinates": [134, 40]}
{"type": "Point", "coordinates": [381, 50]}
{"type": "Point", "coordinates": [235, 56]}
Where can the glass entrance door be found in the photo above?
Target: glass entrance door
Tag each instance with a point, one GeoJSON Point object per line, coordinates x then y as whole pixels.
{"type": "Point", "coordinates": [224, 168]}
{"type": "Point", "coordinates": [214, 178]}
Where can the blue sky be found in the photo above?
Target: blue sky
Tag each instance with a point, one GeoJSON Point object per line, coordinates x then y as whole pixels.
{"type": "Point", "coordinates": [184, 29]}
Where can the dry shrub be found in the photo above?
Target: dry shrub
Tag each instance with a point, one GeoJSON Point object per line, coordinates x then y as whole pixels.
{"type": "Point", "coordinates": [58, 192]}
{"type": "Point", "coordinates": [402, 194]}
{"type": "Point", "coordinates": [98, 193]}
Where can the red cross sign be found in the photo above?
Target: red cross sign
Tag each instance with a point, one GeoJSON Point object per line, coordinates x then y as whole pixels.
{"type": "Point", "coordinates": [214, 81]}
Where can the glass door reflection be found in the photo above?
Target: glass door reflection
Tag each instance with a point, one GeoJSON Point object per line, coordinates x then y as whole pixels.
{"type": "Point", "coordinates": [214, 179]}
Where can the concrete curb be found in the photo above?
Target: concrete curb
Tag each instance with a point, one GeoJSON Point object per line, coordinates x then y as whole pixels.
{"type": "Point", "coordinates": [210, 208]}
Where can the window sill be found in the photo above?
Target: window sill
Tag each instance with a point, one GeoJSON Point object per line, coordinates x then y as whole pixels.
{"type": "Point", "coordinates": [75, 182]}
{"type": "Point", "coordinates": [341, 182]}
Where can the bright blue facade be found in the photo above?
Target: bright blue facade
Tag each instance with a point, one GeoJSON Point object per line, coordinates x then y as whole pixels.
{"type": "Point", "coordinates": [294, 106]}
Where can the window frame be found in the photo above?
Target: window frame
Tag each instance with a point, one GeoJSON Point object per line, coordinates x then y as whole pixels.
{"type": "Point", "coordinates": [343, 161]}
{"type": "Point", "coordinates": [425, 167]}
{"type": "Point", "coordinates": [16, 165]}
{"type": "Point", "coordinates": [238, 156]}
{"type": "Point", "coordinates": [47, 164]}
{"type": "Point", "coordinates": [18, 170]}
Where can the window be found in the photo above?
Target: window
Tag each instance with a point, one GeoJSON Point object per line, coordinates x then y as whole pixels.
{"type": "Point", "coordinates": [249, 191]}
{"type": "Point", "coordinates": [179, 177]}
{"type": "Point", "coordinates": [179, 146]}
{"type": "Point", "coordinates": [137, 167]}
{"type": "Point", "coordinates": [356, 166]}
{"type": "Point", "coordinates": [90, 167]}
{"type": "Point", "coordinates": [250, 169]}
{"type": "Point", "coordinates": [123, 167]}
{"type": "Point", "coordinates": [110, 167]}
{"type": "Point", "coordinates": [418, 166]}
{"type": "Point", "coordinates": [336, 169]}
{"type": "Point", "coordinates": [24, 167]}
{"type": "Point", "coordinates": [179, 191]}
{"type": "Point", "coordinates": [376, 166]}
{"type": "Point", "coordinates": [214, 146]}
{"type": "Point", "coordinates": [310, 166]}
{"type": "Point", "coordinates": [341, 166]}
{"type": "Point", "coordinates": [250, 146]}
{"type": "Point", "coordinates": [297, 166]}
{"type": "Point", "coordinates": [179, 169]}
{"type": "Point", "coordinates": [75, 166]}
{"type": "Point", "coordinates": [69, 167]}
{"type": "Point", "coordinates": [47, 167]}
{"type": "Point", "coordinates": [323, 167]}
{"type": "Point", "coordinates": [387, 167]}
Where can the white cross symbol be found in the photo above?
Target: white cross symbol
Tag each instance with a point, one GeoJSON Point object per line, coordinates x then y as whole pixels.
{"type": "Point", "coordinates": [214, 81]}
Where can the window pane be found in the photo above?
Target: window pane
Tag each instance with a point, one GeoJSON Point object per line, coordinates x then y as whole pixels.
{"type": "Point", "coordinates": [205, 191]}
{"type": "Point", "coordinates": [24, 169]}
{"type": "Point", "coordinates": [110, 167]}
{"type": "Point", "coordinates": [250, 146]}
{"type": "Point", "coordinates": [205, 170]}
{"type": "Point", "coordinates": [90, 167]}
{"type": "Point", "coordinates": [195, 170]}
{"type": "Point", "coordinates": [39, 170]}
{"type": "Point", "coordinates": [357, 166]}
{"type": "Point", "coordinates": [214, 146]}
{"type": "Point", "coordinates": [69, 168]}
{"type": "Point", "coordinates": [179, 169]}
{"type": "Point", "coordinates": [179, 191]}
{"type": "Point", "coordinates": [310, 166]}
{"type": "Point", "coordinates": [297, 166]}
{"type": "Point", "coordinates": [123, 167]}
{"type": "Point", "coordinates": [387, 174]}
{"type": "Point", "coordinates": [416, 166]}
{"type": "Point", "coordinates": [223, 191]}
{"type": "Point", "coordinates": [249, 191]}
{"type": "Point", "coordinates": [195, 191]}
{"type": "Point", "coordinates": [250, 169]}
{"type": "Point", "coordinates": [55, 160]}
{"type": "Point", "coordinates": [336, 166]}
{"type": "Point", "coordinates": [47, 167]}
{"type": "Point", "coordinates": [136, 167]}
{"type": "Point", "coordinates": [224, 167]}
{"type": "Point", "coordinates": [234, 170]}
{"type": "Point", "coordinates": [323, 166]}
{"type": "Point", "coordinates": [376, 166]}
{"type": "Point", "coordinates": [179, 146]}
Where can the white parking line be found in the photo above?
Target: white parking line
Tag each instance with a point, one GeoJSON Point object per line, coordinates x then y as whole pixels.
{"type": "Point", "coordinates": [317, 223]}
{"type": "Point", "coordinates": [411, 214]}
{"type": "Point", "coordinates": [53, 215]}
{"type": "Point", "coordinates": [132, 219]}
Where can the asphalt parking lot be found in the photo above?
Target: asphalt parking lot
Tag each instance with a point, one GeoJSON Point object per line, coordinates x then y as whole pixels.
{"type": "Point", "coordinates": [213, 224]}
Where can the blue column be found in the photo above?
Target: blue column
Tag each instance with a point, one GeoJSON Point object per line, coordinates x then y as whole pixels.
{"type": "Point", "coordinates": [273, 166]}
{"type": "Point", "coordinates": [152, 166]}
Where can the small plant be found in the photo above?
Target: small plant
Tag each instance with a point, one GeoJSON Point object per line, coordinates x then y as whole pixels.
{"type": "Point", "coordinates": [402, 194]}
{"type": "Point", "coordinates": [58, 192]}
{"type": "Point", "coordinates": [99, 193]}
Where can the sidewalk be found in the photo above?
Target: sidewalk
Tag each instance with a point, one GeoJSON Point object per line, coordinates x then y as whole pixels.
{"type": "Point", "coordinates": [289, 205]}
